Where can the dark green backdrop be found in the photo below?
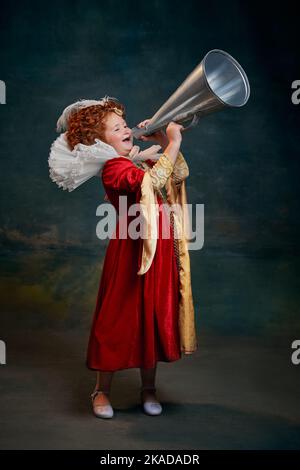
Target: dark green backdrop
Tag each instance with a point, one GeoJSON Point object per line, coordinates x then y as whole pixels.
{"type": "Point", "coordinates": [244, 164]}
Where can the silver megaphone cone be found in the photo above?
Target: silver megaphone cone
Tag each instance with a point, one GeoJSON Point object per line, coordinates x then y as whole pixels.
{"type": "Point", "coordinates": [217, 82]}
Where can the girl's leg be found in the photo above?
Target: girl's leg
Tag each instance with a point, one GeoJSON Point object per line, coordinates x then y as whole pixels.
{"type": "Point", "coordinates": [104, 380]}
{"type": "Point", "coordinates": [103, 383]}
{"type": "Point", "coordinates": [148, 377]}
{"type": "Point", "coordinates": [148, 382]}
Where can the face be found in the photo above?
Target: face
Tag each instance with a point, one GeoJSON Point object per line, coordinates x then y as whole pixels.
{"type": "Point", "coordinates": [117, 134]}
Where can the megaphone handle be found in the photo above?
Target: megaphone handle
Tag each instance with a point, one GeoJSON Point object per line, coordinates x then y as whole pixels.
{"type": "Point", "coordinates": [194, 122]}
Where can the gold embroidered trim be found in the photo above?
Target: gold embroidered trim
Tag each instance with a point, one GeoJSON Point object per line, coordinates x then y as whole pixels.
{"type": "Point", "coordinates": [180, 170]}
{"type": "Point", "coordinates": [173, 194]}
{"type": "Point", "coordinates": [179, 173]}
{"type": "Point", "coordinates": [149, 211]}
{"type": "Point", "coordinates": [161, 171]}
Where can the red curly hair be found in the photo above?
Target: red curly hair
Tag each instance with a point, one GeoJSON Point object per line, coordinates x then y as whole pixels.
{"type": "Point", "coordinates": [88, 124]}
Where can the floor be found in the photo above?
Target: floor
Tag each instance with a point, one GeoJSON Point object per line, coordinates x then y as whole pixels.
{"type": "Point", "coordinates": [233, 393]}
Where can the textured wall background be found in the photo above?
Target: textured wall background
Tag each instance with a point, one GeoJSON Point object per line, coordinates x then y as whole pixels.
{"type": "Point", "coordinates": [244, 163]}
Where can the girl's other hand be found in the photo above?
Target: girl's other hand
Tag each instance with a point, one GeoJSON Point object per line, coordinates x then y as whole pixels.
{"type": "Point", "coordinates": [158, 136]}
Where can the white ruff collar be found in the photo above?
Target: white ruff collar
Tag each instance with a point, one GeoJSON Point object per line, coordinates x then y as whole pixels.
{"type": "Point", "coordinates": [71, 168]}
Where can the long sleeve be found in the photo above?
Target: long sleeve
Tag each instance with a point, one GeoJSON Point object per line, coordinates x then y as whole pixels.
{"type": "Point", "coordinates": [180, 170]}
{"type": "Point", "coordinates": [121, 174]}
{"type": "Point", "coordinates": [160, 172]}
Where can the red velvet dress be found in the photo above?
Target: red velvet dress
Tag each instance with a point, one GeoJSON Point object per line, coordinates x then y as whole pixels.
{"type": "Point", "coordinates": [135, 322]}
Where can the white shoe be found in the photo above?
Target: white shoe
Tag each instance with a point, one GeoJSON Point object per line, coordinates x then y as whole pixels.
{"type": "Point", "coordinates": [151, 408]}
{"type": "Point", "coordinates": [101, 411]}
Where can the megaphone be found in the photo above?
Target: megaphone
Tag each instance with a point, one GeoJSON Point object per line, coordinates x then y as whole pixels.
{"type": "Point", "coordinates": [217, 82]}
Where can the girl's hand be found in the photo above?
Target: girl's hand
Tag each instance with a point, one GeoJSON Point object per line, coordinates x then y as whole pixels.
{"type": "Point", "coordinates": [174, 132]}
{"type": "Point", "coordinates": [158, 136]}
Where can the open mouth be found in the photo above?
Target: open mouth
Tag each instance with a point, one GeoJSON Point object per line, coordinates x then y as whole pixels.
{"type": "Point", "coordinates": [127, 139]}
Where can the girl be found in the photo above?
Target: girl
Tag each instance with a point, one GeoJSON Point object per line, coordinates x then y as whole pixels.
{"type": "Point", "coordinates": [144, 309]}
